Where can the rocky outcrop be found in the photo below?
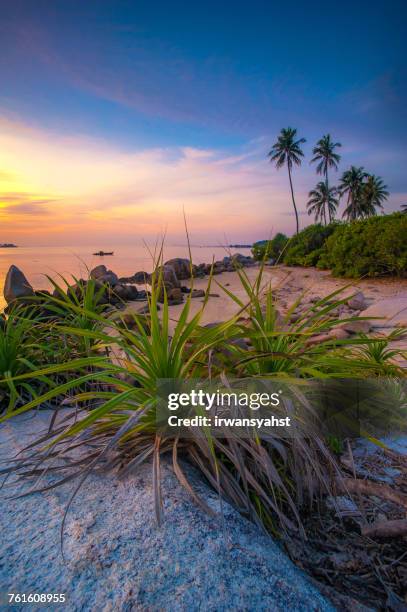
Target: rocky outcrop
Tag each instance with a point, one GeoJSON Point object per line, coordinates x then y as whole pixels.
{"type": "Point", "coordinates": [102, 274]}
{"type": "Point", "coordinates": [116, 553]}
{"type": "Point", "coordinates": [181, 267]}
{"type": "Point", "coordinates": [166, 275]}
{"type": "Point", "coordinates": [357, 301]}
{"type": "Point", "coordinates": [175, 296]}
{"type": "Point", "coordinates": [391, 312]}
{"type": "Point", "coordinates": [140, 278]}
{"type": "Point", "coordinates": [16, 285]}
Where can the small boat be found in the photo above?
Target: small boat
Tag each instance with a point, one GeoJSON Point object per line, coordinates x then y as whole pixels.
{"type": "Point", "coordinates": [102, 253]}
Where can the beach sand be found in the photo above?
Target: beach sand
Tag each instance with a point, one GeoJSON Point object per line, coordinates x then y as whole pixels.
{"type": "Point", "coordinates": [289, 283]}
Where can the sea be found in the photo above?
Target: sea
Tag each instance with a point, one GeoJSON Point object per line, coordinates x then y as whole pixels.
{"type": "Point", "coordinates": [38, 263]}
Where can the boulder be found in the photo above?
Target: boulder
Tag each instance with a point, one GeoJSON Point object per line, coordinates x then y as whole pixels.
{"type": "Point", "coordinates": [392, 310]}
{"type": "Point", "coordinates": [175, 296]}
{"type": "Point", "coordinates": [16, 285]}
{"type": "Point", "coordinates": [102, 274]}
{"type": "Point", "coordinates": [140, 278]}
{"type": "Point", "coordinates": [146, 309]}
{"type": "Point", "coordinates": [197, 293]}
{"type": "Point", "coordinates": [338, 334]}
{"type": "Point", "coordinates": [318, 339]}
{"type": "Point", "coordinates": [181, 267]}
{"type": "Point", "coordinates": [165, 274]}
{"type": "Point", "coordinates": [142, 295]}
{"type": "Point", "coordinates": [121, 291]}
{"type": "Point", "coordinates": [117, 557]}
{"type": "Point", "coordinates": [133, 293]}
{"type": "Point", "coordinates": [201, 270]}
{"type": "Point", "coordinates": [357, 327]}
{"type": "Point", "coordinates": [357, 301]}
{"type": "Point", "coordinates": [97, 272]}
{"type": "Point", "coordinates": [242, 260]}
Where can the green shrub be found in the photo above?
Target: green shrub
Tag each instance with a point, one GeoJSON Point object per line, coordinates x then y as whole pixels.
{"type": "Point", "coordinates": [265, 249]}
{"type": "Point", "coordinates": [371, 247]}
{"type": "Point", "coordinates": [305, 248]}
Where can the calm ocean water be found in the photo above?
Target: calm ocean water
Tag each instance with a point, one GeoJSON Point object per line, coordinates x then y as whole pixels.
{"type": "Point", "coordinates": [37, 262]}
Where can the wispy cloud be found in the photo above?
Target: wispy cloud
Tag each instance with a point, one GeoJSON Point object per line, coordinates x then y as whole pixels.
{"type": "Point", "coordinates": [79, 187]}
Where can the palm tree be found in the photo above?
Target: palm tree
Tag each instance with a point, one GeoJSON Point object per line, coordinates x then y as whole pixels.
{"type": "Point", "coordinates": [324, 154]}
{"type": "Point", "coordinates": [351, 184]}
{"type": "Point", "coordinates": [321, 200]}
{"type": "Point", "coordinates": [288, 151]}
{"type": "Point", "coordinates": [374, 194]}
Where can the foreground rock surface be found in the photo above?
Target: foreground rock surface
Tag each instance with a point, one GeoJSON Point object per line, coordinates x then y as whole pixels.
{"type": "Point", "coordinates": [16, 285]}
{"type": "Point", "coordinates": [118, 559]}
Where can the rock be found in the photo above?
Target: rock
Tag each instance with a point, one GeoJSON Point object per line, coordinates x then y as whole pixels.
{"type": "Point", "coordinates": [243, 260]}
{"type": "Point", "coordinates": [357, 301]}
{"type": "Point", "coordinates": [146, 309]}
{"type": "Point", "coordinates": [356, 327]}
{"type": "Point", "coordinates": [133, 293]}
{"type": "Point", "coordinates": [318, 339]}
{"type": "Point", "coordinates": [142, 295]}
{"type": "Point", "coordinates": [182, 565]}
{"type": "Point", "coordinates": [16, 285]}
{"type": "Point", "coordinates": [120, 291]}
{"type": "Point", "coordinates": [175, 296]}
{"type": "Point", "coordinates": [338, 333]}
{"type": "Point", "coordinates": [126, 292]}
{"type": "Point", "coordinates": [102, 274]}
{"type": "Point", "coordinates": [99, 271]}
{"type": "Point", "coordinates": [197, 293]}
{"type": "Point", "coordinates": [181, 267]}
{"type": "Point", "coordinates": [110, 278]}
{"type": "Point", "coordinates": [140, 278]}
{"type": "Point", "coordinates": [201, 270]}
{"type": "Point", "coordinates": [392, 310]}
{"type": "Point", "coordinates": [165, 274]}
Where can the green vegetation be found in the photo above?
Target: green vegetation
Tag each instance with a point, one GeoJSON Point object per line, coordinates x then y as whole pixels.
{"type": "Point", "coordinates": [270, 249]}
{"type": "Point", "coordinates": [305, 248]}
{"type": "Point", "coordinates": [109, 385]}
{"type": "Point", "coordinates": [364, 193]}
{"type": "Point", "coordinates": [321, 200]}
{"type": "Point", "coordinates": [325, 157]}
{"type": "Point", "coordinates": [375, 246]}
{"type": "Point", "coordinates": [372, 247]}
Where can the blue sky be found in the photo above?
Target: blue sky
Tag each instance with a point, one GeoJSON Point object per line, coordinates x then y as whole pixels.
{"type": "Point", "coordinates": [216, 76]}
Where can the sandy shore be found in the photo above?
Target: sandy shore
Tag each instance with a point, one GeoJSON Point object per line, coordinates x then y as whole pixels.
{"type": "Point", "coordinates": [288, 283]}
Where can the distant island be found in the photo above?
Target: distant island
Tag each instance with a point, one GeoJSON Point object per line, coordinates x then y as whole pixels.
{"type": "Point", "coordinates": [240, 246]}
{"type": "Point", "coordinates": [7, 245]}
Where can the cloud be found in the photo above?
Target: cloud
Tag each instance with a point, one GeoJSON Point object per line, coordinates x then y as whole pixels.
{"type": "Point", "coordinates": [80, 189]}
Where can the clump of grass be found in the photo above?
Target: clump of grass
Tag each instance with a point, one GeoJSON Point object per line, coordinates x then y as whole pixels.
{"type": "Point", "coordinates": [113, 421]}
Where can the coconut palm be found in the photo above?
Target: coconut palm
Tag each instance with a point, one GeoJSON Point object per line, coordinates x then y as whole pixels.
{"type": "Point", "coordinates": [287, 151]}
{"type": "Point", "coordinates": [322, 199]}
{"type": "Point", "coordinates": [351, 184]}
{"type": "Point", "coordinates": [324, 154]}
{"type": "Point", "coordinates": [374, 194]}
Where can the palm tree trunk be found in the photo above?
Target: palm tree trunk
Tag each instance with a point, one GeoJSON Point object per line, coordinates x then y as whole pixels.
{"type": "Point", "coordinates": [292, 195]}
{"type": "Point", "coordinates": [327, 190]}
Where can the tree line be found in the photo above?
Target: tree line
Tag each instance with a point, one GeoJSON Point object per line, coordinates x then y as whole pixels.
{"type": "Point", "coordinates": [364, 192]}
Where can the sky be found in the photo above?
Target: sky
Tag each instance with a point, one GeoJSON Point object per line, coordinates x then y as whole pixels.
{"type": "Point", "coordinates": [116, 116]}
